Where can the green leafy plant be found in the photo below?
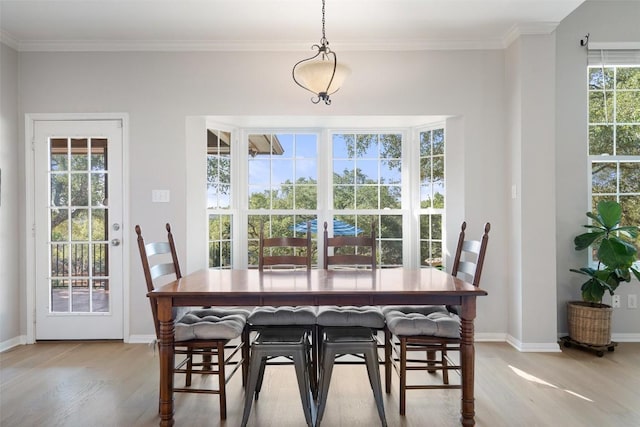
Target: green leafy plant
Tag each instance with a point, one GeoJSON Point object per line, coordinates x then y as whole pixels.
{"type": "Point", "coordinates": [615, 248]}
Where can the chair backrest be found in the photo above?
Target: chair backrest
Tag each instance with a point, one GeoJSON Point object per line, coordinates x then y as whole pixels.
{"type": "Point", "coordinates": [155, 265]}
{"type": "Point", "coordinates": [350, 250]}
{"type": "Point", "coordinates": [284, 251]}
{"type": "Point", "coordinates": [474, 251]}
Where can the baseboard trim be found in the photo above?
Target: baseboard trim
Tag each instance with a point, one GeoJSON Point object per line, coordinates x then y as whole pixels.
{"type": "Point", "coordinates": [13, 342]}
{"type": "Point", "coordinates": [625, 337]}
{"type": "Point", "coordinates": [140, 339]}
{"type": "Point", "coordinates": [537, 347]}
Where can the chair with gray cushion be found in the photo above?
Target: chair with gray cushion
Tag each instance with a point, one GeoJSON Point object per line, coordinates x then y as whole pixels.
{"type": "Point", "coordinates": [431, 330]}
{"type": "Point", "coordinates": [281, 255]}
{"type": "Point", "coordinates": [215, 335]}
{"type": "Point", "coordinates": [351, 340]}
{"type": "Point", "coordinates": [293, 343]}
{"type": "Point", "coordinates": [349, 330]}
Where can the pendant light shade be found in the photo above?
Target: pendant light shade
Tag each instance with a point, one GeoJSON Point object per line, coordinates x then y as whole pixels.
{"type": "Point", "coordinates": [321, 74]}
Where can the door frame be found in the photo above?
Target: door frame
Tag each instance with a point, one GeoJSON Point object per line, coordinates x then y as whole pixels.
{"type": "Point", "coordinates": [30, 245]}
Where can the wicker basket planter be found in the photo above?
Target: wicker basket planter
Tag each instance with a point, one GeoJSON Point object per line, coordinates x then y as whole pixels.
{"type": "Point", "coordinates": [589, 323]}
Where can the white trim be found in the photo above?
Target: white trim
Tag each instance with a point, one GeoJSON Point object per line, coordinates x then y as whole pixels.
{"type": "Point", "coordinates": [614, 45]}
{"type": "Point", "coordinates": [519, 30]}
{"type": "Point", "coordinates": [634, 337]}
{"type": "Point", "coordinates": [525, 347]}
{"type": "Point", "coordinates": [30, 120]}
{"type": "Point", "coordinates": [248, 46]}
{"type": "Point", "coordinates": [141, 339]}
{"type": "Point", "coordinates": [9, 40]}
{"type": "Point", "coordinates": [13, 342]}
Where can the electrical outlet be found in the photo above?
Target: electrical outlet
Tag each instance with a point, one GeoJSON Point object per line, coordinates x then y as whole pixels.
{"type": "Point", "coordinates": [615, 301]}
{"type": "Point", "coordinates": [632, 301]}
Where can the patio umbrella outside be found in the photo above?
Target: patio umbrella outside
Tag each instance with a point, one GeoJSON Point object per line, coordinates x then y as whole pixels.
{"type": "Point", "coordinates": [340, 228]}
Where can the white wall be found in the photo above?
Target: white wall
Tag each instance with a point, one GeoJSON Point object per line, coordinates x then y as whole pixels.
{"type": "Point", "coordinates": [9, 241]}
{"type": "Point", "coordinates": [606, 21]}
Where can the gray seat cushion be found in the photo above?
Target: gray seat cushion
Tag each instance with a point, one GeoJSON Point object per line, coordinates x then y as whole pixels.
{"type": "Point", "coordinates": [210, 323]}
{"type": "Point", "coordinates": [423, 309]}
{"type": "Point", "coordinates": [280, 316]}
{"type": "Point", "coordinates": [435, 323]}
{"type": "Point", "coordinates": [366, 316]}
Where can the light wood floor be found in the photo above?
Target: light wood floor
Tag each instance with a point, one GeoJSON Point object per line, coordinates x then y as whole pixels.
{"type": "Point", "coordinates": [115, 384]}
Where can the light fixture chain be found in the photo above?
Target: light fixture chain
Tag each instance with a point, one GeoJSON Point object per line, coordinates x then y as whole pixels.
{"type": "Point", "coordinates": [323, 34]}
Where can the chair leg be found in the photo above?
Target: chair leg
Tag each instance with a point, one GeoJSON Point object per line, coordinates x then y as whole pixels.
{"type": "Point", "coordinates": [431, 357]}
{"type": "Point", "coordinates": [445, 371]}
{"type": "Point", "coordinates": [222, 381]}
{"type": "Point", "coordinates": [387, 360]}
{"type": "Point", "coordinates": [373, 369]}
{"type": "Point", "coordinates": [403, 375]}
{"type": "Point", "coordinates": [246, 344]}
{"type": "Point", "coordinates": [301, 364]}
{"type": "Point", "coordinates": [326, 370]}
{"type": "Point", "coordinates": [187, 378]}
{"type": "Point", "coordinates": [263, 365]}
{"type": "Point", "coordinates": [252, 381]}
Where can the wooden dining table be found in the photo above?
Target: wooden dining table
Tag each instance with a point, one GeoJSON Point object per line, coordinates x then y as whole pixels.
{"type": "Point", "coordinates": [250, 287]}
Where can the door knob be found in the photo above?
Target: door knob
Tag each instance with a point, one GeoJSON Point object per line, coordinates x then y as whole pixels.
{"type": "Point", "coordinates": [115, 242]}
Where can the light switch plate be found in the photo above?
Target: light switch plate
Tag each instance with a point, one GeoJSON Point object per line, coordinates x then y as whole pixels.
{"type": "Point", "coordinates": [160, 196]}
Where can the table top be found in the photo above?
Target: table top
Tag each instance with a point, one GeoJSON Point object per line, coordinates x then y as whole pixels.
{"type": "Point", "coordinates": [358, 285]}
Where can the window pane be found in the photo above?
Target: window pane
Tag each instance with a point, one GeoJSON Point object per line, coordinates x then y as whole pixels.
{"type": "Point", "coordinates": [600, 139]}
{"type": "Point", "coordinates": [597, 111]}
{"type": "Point", "coordinates": [604, 177]}
{"type": "Point", "coordinates": [601, 78]}
{"type": "Point", "coordinates": [630, 178]}
{"type": "Point", "coordinates": [628, 139]}
{"type": "Point", "coordinates": [628, 78]}
{"type": "Point", "coordinates": [627, 104]}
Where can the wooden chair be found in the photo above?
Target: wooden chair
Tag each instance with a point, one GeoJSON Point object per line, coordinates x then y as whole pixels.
{"type": "Point", "coordinates": [200, 332]}
{"type": "Point", "coordinates": [355, 251]}
{"type": "Point", "coordinates": [284, 251]}
{"type": "Point", "coordinates": [283, 254]}
{"type": "Point", "coordinates": [431, 329]}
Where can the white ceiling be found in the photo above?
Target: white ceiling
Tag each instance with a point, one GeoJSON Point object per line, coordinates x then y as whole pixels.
{"type": "Point", "coordinates": [49, 25]}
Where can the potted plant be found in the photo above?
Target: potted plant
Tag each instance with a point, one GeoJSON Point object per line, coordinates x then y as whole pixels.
{"type": "Point", "coordinates": [614, 245]}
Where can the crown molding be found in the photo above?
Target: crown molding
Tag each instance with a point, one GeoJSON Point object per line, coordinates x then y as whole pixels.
{"type": "Point", "coordinates": [274, 45]}
{"type": "Point", "coordinates": [10, 41]}
{"type": "Point", "coordinates": [246, 46]}
{"type": "Point", "coordinates": [527, 29]}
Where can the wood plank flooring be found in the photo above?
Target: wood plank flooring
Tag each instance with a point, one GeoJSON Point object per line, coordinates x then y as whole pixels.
{"type": "Point", "coordinates": [115, 384]}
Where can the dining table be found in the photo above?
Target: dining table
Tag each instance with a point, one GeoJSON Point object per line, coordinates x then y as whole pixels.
{"type": "Point", "coordinates": [318, 287]}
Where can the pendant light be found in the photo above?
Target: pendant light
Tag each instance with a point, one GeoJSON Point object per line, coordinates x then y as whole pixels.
{"type": "Point", "coordinates": [321, 74]}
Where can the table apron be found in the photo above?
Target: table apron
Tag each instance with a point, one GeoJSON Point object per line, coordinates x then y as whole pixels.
{"type": "Point", "coordinates": [316, 300]}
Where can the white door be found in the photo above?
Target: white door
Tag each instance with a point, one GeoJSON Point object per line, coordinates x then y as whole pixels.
{"type": "Point", "coordinates": [78, 228]}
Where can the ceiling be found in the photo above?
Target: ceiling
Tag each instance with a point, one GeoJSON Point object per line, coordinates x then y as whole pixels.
{"type": "Point", "coordinates": [87, 25]}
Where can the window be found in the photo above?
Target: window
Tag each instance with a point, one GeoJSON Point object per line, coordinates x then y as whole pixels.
{"type": "Point", "coordinates": [367, 188]}
{"type": "Point", "coordinates": [283, 186]}
{"type": "Point", "coordinates": [432, 192]}
{"type": "Point", "coordinates": [219, 198]}
{"type": "Point", "coordinates": [351, 179]}
{"type": "Point", "coordinates": [614, 136]}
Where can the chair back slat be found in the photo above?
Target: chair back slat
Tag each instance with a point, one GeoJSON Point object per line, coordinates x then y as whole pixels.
{"type": "Point", "coordinates": [157, 248]}
{"type": "Point", "coordinates": [284, 251]}
{"type": "Point", "coordinates": [363, 249]}
{"type": "Point", "coordinates": [154, 265]}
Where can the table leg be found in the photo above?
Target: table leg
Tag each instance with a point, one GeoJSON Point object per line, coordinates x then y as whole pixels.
{"type": "Point", "coordinates": [165, 317]}
{"type": "Point", "coordinates": [467, 361]}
